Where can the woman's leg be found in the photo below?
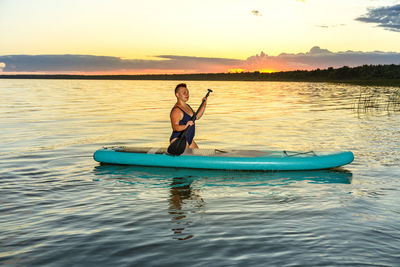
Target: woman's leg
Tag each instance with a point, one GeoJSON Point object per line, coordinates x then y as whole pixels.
{"type": "Point", "coordinates": [187, 145]}
{"type": "Point", "coordinates": [193, 145]}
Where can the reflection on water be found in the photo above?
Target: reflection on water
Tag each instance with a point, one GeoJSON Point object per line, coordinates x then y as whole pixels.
{"type": "Point", "coordinates": [186, 177]}
{"type": "Point", "coordinates": [185, 185]}
{"type": "Point", "coordinates": [180, 192]}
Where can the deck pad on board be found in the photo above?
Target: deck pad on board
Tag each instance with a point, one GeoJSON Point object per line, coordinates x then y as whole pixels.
{"type": "Point", "coordinates": [196, 152]}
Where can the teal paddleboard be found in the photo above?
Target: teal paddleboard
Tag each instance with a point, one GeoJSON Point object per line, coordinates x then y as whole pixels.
{"type": "Point", "coordinates": [251, 160]}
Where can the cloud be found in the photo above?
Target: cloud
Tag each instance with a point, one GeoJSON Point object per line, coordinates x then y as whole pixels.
{"type": "Point", "coordinates": [103, 64]}
{"type": "Point", "coordinates": [324, 26]}
{"type": "Point", "coordinates": [256, 13]}
{"type": "Point", "coordinates": [319, 58]}
{"type": "Point", "coordinates": [164, 64]}
{"type": "Point", "coordinates": [386, 17]}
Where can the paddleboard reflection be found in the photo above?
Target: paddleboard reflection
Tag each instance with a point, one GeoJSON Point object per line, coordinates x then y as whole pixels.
{"type": "Point", "coordinates": [226, 178]}
{"type": "Point", "coordinates": [185, 186]}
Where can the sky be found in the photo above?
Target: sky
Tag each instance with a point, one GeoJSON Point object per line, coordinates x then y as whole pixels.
{"type": "Point", "coordinates": [187, 36]}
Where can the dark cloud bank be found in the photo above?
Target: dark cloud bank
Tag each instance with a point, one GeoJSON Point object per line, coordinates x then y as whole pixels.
{"type": "Point", "coordinates": [386, 17]}
{"type": "Point", "coordinates": [315, 58]}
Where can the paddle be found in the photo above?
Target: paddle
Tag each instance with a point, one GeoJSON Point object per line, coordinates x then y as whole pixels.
{"type": "Point", "coordinates": [179, 145]}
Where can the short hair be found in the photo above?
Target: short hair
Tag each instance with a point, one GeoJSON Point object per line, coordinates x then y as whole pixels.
{"type": "Point", "coordinates": [180, 85]}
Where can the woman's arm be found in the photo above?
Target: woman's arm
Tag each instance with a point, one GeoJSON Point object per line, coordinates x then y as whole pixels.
{"type": "Point", "coordinates": [176, 116]}
{"type": "Point", "coordinates": [203, 108]}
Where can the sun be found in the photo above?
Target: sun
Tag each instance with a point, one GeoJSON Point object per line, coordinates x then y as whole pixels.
{"type": "Point", "coordinates": [267, 71]}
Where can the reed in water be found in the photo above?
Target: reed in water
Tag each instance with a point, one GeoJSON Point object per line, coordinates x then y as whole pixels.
{"type": "Point", "coordinates": [378, 99]}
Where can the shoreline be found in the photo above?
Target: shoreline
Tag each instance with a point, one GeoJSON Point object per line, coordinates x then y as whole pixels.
{"type": "Point", "coordinates": [377, 75]}
{"type": "Point", "coordinates": [193, 77]}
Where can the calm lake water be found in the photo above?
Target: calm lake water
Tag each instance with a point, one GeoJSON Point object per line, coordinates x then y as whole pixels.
{"type": "Point", "coordinates": [58, 207]}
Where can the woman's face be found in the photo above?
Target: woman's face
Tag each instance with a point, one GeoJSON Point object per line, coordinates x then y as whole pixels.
{"type": "Point", "coordinates": [183, 94]}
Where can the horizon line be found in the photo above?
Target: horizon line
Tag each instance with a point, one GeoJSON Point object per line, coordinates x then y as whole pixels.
{"type": "Point", "coordinates": [196, 73]}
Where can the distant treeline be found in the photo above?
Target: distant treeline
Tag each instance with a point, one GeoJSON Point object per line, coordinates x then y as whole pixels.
{"type": "Point", "coordinates": [366, 74]}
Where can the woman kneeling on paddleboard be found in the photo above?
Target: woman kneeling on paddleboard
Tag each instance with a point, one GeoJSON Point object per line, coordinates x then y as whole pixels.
{"type": "Point", "coordinates": [181, 116]}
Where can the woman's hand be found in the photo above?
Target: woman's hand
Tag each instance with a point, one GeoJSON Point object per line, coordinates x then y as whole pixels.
{"type": "Point", "coordinates": [189, 123]}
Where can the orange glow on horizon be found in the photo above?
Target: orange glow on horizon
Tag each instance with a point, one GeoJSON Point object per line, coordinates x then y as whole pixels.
{"type": "Point", "coordinates": [135, 72]}
{"type": "Point", "coordinates": [267, 71]}
{"type": "Point", "coordinates": [111, 72]}
{"type": "Point", "coordinates": [237, 70]}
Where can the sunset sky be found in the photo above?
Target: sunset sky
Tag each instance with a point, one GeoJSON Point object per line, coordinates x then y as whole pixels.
{"type": "Point", "coordinates": [185, 36]}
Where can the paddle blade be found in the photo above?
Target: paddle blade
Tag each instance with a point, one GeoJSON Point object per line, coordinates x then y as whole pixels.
{"type": "Point", "coordinates": [178, 146]}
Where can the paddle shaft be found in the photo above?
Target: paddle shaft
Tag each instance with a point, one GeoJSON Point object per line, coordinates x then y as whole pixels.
{"type": "Point", "coordinates": [198, 110]}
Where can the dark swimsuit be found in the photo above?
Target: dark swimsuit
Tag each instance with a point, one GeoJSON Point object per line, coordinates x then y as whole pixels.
{"type": "Point", "coordinates": [183, 121]}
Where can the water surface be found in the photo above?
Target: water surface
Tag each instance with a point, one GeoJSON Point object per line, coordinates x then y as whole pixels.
{"type": "Point", "coordinates": [60, 208]}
